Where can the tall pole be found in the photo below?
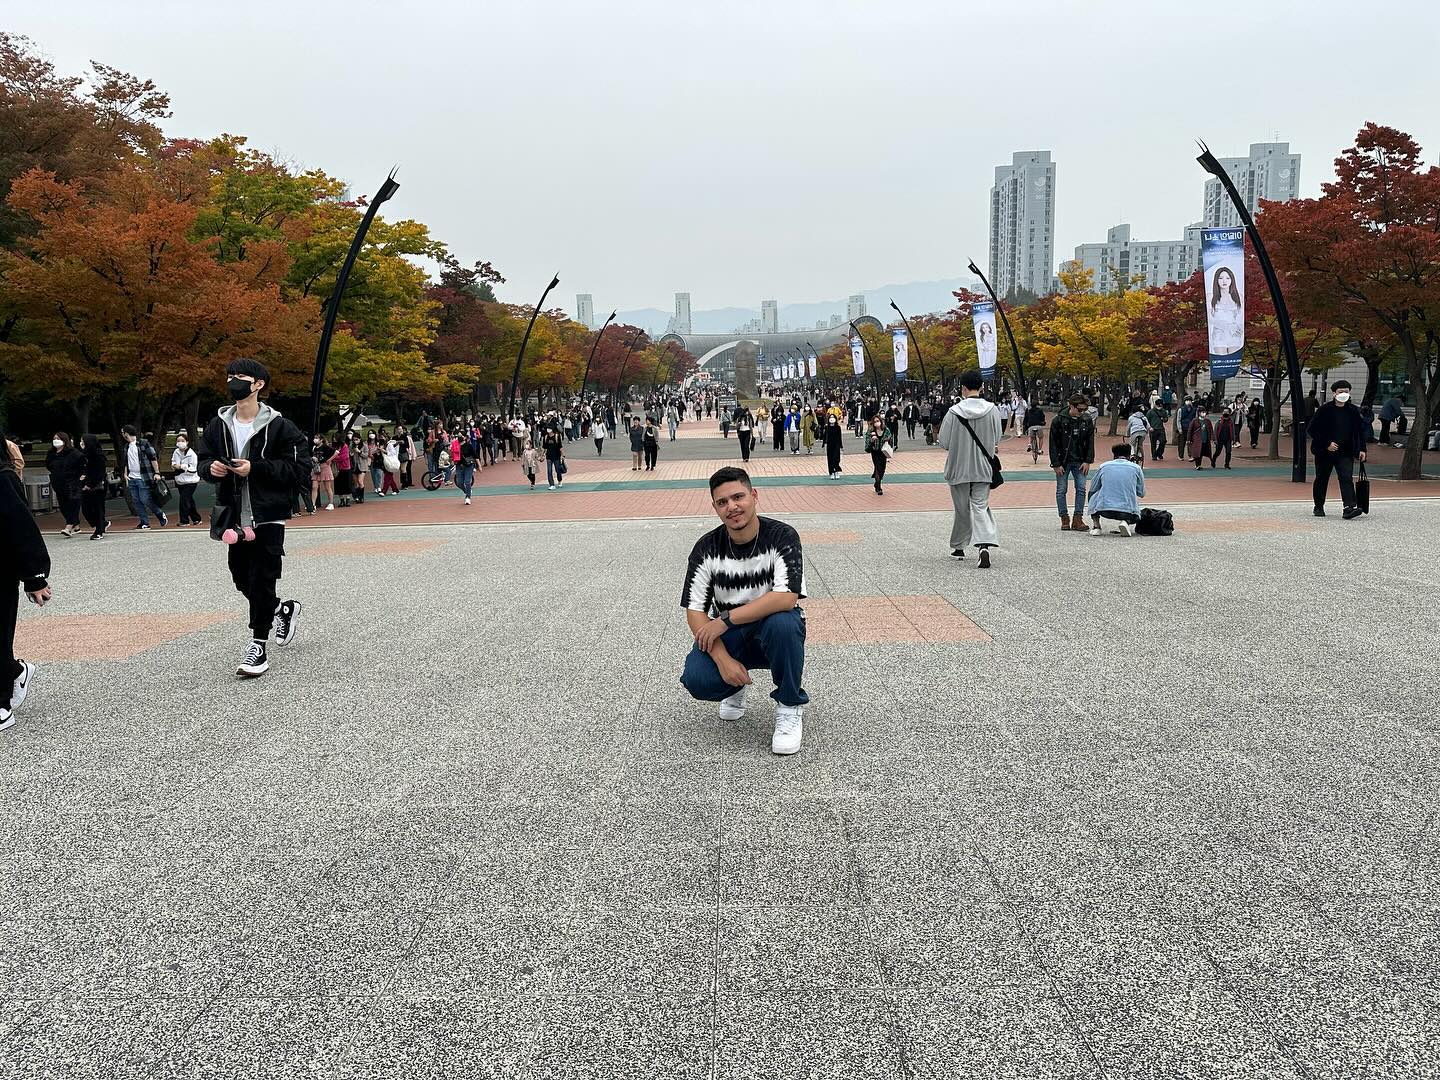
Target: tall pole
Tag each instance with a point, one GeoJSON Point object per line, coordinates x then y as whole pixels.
{"type": "Point", "coordinates": [586, 377]}
{"type": "Point", "coordinates": [515, 378]}
{"type": "Point", "coordinates": [332, 304]}
{"type": "Point", "coordinates": [621, 377]}
{"type": "Point", "coordinates": [1019, 370]}
{"type": "Point", "coordinates": [818, 383]}
{"type": "Point", "coordinates": [1298, 463]}
{"type": "Point", "coordinates": [874, 374]}
{"type": "Point", "coordinates": [916, 342]}
{"type": "Point", "coordinates": [665, 347]}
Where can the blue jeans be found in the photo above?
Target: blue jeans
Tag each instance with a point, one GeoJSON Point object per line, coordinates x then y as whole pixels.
{"type": "Point", "coordinates": [140, 497]}
{"type": "Point", "coordinates": [376, 478]}
{"type": "Point", "coordinates": [552, 472]}
{"type": "Point", "coordinates": [776, 642]}
{"type": "Point", "coordinates": [464, 477]}
{"type": "Point", "coordinates": [1062, 484]}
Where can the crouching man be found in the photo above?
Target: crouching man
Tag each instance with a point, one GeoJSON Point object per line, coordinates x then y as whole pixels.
{"type": "Point", "coordinates": [1116, 489]}
{"type": "Point", "coordinates": [741, 598]}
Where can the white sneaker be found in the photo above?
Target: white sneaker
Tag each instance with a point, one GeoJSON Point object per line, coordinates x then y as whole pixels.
{"type": "Point", "coordinates": [788, 728]}
{"type": "Point", "coordinates": [552, 487]}
{"type": "Point", "coordinates": [22, 684]}
{"type": "Point", "coordinates": [1094, 530]}
{"type": "Point", "coordinates": [330, 507]}
{"type": "Point", "coordinates": [467, 500]}
{"type": "Point", "coordinates": [733, 707]}
{"type": "Point", "coordinates": [1125, 529]}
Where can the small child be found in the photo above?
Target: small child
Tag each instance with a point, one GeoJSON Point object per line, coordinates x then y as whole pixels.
{"type": "Point", "coordinates": [530, 461]}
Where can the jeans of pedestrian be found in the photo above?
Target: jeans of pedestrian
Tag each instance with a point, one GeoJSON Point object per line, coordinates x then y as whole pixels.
{"type": "Point", "coordinates": [673, 425]}
{"type": "Point", "coordinates": [140, 497]}
{"type": "Point", "coordinates": [552, 473]}
{"type": "Point", "coordinates": [1157, 443]}
{"type": "Point", "coordinates": [464, 477]}
{"type": "Point", "coordinates": [1062, 487]}
{"type": "Point", "coordinates": [776, 643]}
{"type": "Point", "coordinates": [1344, 468]}
{"type": "Point", "coordinates": [255, 568]}
{"type": "Point", "coordinates": [188, 514]}
{"type": "Point", "coordinates": [910, 429]}
{"type": "Point", "coordinates": [974, 522]}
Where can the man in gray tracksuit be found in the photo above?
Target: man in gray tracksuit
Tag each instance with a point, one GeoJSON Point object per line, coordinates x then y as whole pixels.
{"type": "Point", "coordinates": [968, 470]}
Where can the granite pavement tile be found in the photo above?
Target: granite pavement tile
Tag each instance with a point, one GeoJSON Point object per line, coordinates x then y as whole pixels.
{"type": "Point", "coordinates": [327, 953]}
{"type": "Point", "coordinates": [965, 944]}
{"type": "Point", "coordinates": [470, 1037]}
{"type": "Point", "coordinates": [775, 948]}
{"type": "Point", "coordinates": [261, 1038]}
{"type": "Point", "coordinates": [935, 873]}
{"type": "Point", "coordinates": [990, 1031]}
{"type": "Point", "coordinates": [625, 1035]}
{"type": "Point", "coordinates": [116, 1038]}
{"type": "Point", "coordinates": [486, 951]}
{"type": "Point", "coordinates": [758, 874]}
{"type": "Point", "coordinates": [817, 1035]}
{"type": "Point", "coordinates": [634, 950]}
{"type": "Point", "coordinates": [1402, 932]}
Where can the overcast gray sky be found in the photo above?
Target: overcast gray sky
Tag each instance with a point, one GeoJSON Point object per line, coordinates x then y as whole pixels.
{"type": "Point", "coordinates": [742, 150]}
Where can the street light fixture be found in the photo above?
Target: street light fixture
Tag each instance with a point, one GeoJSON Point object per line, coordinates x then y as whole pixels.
{"type": "Point", "coordinates": [1019, 370]}
{"type": "Point", "coordinates": [515, 378]}
{"type": "Point", "coordinates": [586, 377]}
{"type": "Point", "coordinates": [916, 342]}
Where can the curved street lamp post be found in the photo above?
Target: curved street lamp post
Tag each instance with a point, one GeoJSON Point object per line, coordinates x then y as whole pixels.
{"type": "Point", "coordinates": [916, 342]}
{"type": "Point", "coordinates": [1019, 370]}
{"type": "Point", "coordinates": [874, 373]}
{"type": "Point", "coordinates": [586, 377]}
{"type": "Point", "coordinates": [515, 378]}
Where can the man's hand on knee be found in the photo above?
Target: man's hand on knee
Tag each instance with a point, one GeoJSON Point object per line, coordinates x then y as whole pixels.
{"type": "Point", "coordinates": [732, 671]}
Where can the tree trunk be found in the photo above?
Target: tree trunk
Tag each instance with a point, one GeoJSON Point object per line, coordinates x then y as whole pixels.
{"type": "Point", "coordinates": [81, 407]}
{"type": "Point", "coordinates": [1272, 409]}
{"type": "Point", "coordinates": [192, 417]}
{"type": "Point", "coordinates": [1427, 400]}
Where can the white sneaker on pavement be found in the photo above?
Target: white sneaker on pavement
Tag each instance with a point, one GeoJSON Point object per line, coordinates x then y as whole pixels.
{"type": "Point", "coordinates": [1125, 529]}
{"type": "Point", "coordinates": [733, 707]}
{"type": "Point", "coordinates": [788, 729]}
{"type": "Point", "coordinates": [1095, 530]}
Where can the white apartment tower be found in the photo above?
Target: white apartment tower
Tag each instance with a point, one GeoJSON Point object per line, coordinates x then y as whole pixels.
{"type": "Point", "coordinates": [1270, 172]}
{"type": "Point", "coordinates": [769, 317]}
{"type": "Point", "coordinates": [681, 323]}
{"type": "Point", "coordinates": [585, 309]}
{"type": "Point", "coordinates": [855, 307]}
{"type": "Point", "coordinates": [1159, 262]}
{"type": "Point", "coordinates": [1022, 224]}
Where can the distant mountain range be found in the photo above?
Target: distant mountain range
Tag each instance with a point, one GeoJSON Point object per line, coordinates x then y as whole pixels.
{"type": "Point", "coordinates": [914, 298]}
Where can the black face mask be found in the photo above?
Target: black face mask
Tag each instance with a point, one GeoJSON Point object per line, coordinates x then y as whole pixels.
{"type": "Point", "coordinates": [239, 388]}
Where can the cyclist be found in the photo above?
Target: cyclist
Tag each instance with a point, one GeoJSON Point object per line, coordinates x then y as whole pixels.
{"type": "Point", "coordinates": [1034, 424]}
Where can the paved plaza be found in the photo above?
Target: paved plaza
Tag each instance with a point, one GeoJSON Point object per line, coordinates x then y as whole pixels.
{"type": "Point", "coordinates": [1116, 808]}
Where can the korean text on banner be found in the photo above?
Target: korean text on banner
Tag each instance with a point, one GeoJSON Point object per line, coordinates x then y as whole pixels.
{"type": "Point", "coordinates": [1222, 254]}
{"type": "Point", "coordinates": [983, 316]}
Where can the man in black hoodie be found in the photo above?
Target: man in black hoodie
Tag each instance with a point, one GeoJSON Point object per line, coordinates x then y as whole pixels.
{"type": "Point", "coordinates": [257, 460]}
{"type": "Point", "coordinates": [23, 560]}
{"type": "Point", "coordinates": [1337, 439]}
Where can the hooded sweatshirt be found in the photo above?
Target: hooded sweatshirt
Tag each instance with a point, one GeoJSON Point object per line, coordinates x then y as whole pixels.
{"type": "Point", "coordinates": [965, 463]}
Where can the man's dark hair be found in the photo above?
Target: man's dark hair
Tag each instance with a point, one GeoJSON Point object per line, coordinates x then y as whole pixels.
{"type": "Point", "coordinates": [1121, 450]}
{"type": "Point", "coordinates": [729, 475]}
{"type": "Point", "coordinates": [1080, 401]}
{"type": "Point", "coordinates": [971, 380]}
{"type": "Point", "coordinates": [1340, 384]}
{"type": "Point", "coordinates": [248, 365]}
{"type": "Point", "coordinates": [130, 429]}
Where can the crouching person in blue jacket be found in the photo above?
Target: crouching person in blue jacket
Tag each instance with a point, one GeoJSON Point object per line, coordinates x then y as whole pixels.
{"type": "Point", "coordinates": [1116, 489]}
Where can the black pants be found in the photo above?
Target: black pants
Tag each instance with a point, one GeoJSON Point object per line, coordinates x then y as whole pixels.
{"type": "Point", "coordinates": [744, 437]}
{"type": "Point", "coordinates": [779, 436]}
{"type": "Point", "coordinates": [70, 506]}
{"type": "Point", "coordinates": [650, 455]}
{"type": "Point", "coordinates": [1254, 436]}
{"type": "Point", "coordinates": [255, 568]}
{"type": "Point", "coordinates": [832, 457]}
{"type": "Point", "coordinates": [406, 479]}
{"type": "Point", "coordinates": [910, 429]}
{"type": "Point", "coordinates": [1344, 468]}
{"type": "Point", "coordinates": [188, 514]}
{"type": "Point", "coordinates": [1227, 448]}
{"type": "Point", "coordinates": [1157, 443]}
{"type": "Point", "coordinates": [93, 503]}
{"type": "Point", "coordinates": [878, 459]}
{"type": "Point", "coordinates": [9, 611]}
{"type": "Point", "coordinates": [301, 494]}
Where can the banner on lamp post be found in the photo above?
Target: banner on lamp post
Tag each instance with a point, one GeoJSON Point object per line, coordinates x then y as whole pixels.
{"type": "Point", "coordinates": [857, 355]}
{"type": "Point", "coordinates": [814, 365]}
{"type": "Point", "coordinates": [1222, 255]}
{"type": "Point", "coordinates": [776, 372]}
{"type": "Point", "coordinates": [983, 316]}
{"type": "Point", "coordinates": [902, 351]}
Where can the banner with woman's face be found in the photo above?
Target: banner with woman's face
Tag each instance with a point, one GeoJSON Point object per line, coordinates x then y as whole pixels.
{"type": "Point", "coordinates": [1222, 255]}
{"type": "Point", "coordinates": [983, 316]}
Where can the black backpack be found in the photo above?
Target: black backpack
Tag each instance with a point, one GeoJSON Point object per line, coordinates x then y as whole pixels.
{"type": "Point", "coordinates": [1155, 523]}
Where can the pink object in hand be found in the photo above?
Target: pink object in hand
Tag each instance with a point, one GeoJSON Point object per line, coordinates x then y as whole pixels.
{"type": "Point", "coordinates": [233, 536]}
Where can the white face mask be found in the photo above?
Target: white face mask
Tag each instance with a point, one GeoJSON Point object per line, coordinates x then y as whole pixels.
{"type": "Point", "coordinates": [59, 444]}
{"type": "Point", "coordinates": [181, 444]}
{"type": "Point", "coordinates": [1342, 397]}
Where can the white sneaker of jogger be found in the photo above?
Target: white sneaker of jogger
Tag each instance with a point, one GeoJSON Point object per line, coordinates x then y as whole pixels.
{"type": "Point", "coordinates": [733, 707]}
{"type": "Point", "coordinates": [788, 729]}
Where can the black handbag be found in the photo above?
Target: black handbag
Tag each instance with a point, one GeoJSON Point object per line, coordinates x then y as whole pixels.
{"type": "Point", "coordinates": [1362, 491]}
{"type": "Point", "coordinates": [997, 478]}
{"type": "Point", "coordinates": [159, 490]}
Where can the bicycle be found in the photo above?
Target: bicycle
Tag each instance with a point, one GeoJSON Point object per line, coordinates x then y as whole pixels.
{"type": "Point", "coordinates": [1035, 447]}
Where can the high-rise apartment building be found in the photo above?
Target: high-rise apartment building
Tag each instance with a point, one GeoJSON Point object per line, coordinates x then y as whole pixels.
{"type": "Point", "coordinates": [855, 307]}
{"type": "Point", "coordinates": [769, 317]}
{"type": "Point", "coordinates": [1022, 224]}
{"type": "Point", "coordinates": [681, 324]}
{"type": "Point", "coordinates": [585, 309]}
{"type": "Point", "coordinates": [1270, 172]}
{"type": "Point", "coordinates": [1120, 259]}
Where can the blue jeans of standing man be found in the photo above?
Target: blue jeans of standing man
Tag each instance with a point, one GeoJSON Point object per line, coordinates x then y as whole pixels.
{"type": "Point", "coordinates": [552, 473]}
{"type": "Point", "coordinates": [464, 477]}
{"type": "Point", "coordinates": [776, 642]}
{"type": "Point", "coordinates": [140, 497]}
{"type": "Point", "coordinates": [1062, 485]}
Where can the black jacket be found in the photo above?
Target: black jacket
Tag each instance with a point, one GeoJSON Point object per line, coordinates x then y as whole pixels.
{"type": "Point", "coordinates": [1072, 439]}
{"type": "Point", "coordinates": [65, 468]}
{"type": "Point", "coordinates": [279, 456]}
{"type": "Point", "coordinates": [23, 556]}
{"type": "Point", "coordinates": [94, 470]}
{"type": "Point", "coordinates": [1341, 424]}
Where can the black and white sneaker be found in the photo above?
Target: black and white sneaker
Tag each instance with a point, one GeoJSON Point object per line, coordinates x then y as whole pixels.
{"type": "Point", "coordinates": [255, 663]}
{"type": "Point", "coordinates": [958, 553]}
{"type": "Point", "coordinates": [22, 684]}
{"type": "Point", "coordinates": [287, 622]}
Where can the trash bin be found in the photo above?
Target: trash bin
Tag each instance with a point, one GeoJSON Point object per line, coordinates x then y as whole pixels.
{"type": "Point", "coordinates": [39, 496]}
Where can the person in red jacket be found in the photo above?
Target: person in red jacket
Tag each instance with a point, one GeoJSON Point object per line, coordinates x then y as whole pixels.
{"type": "Point", "coordinates": [23, 562]}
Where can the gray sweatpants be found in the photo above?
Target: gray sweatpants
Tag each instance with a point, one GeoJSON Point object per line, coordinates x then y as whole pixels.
{"type": "Point", "coordinates": [973, 520]}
